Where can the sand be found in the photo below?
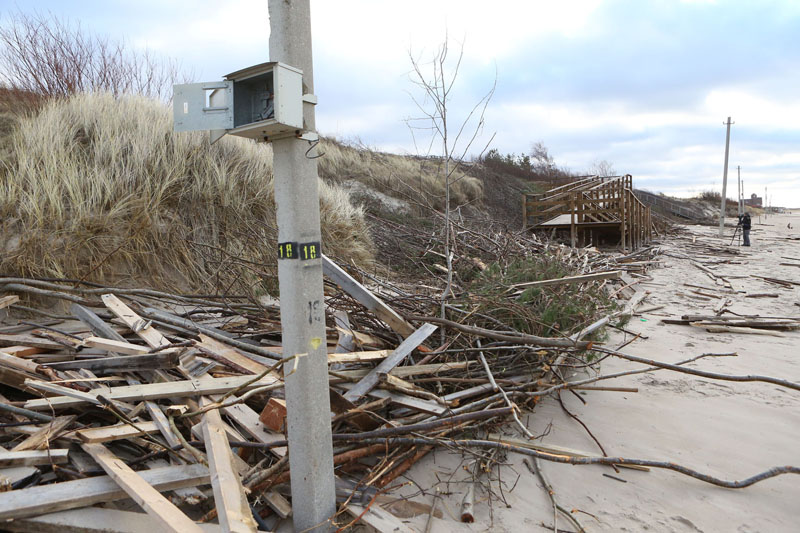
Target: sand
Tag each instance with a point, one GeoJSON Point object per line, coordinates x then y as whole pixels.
{"type": "Point", "coordinates": [726, 429]}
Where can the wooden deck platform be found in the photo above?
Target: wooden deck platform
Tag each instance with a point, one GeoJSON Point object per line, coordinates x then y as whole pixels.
{"type": "Point", "coordinates": [589, 208]}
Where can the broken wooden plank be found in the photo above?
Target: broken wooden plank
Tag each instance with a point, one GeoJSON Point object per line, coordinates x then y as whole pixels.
{"type": "Point", "coordinates": [22, 351]}
{"type": "Point", "coordinates": [84, 492]}
{"type": "Point", "coordinates": [180, 323]}
{"type": "Point", "coordinates": [116, 432]}
{"type": "Point", "coordinates": [254, 349]}
{"type": "Point", "coordinates": [345, 342]}
{"type": "Point", "coordinates": [401, 352]}
{"type": "Point", "coordinates": [128, 363]}
{"type": "Point", "coordinates": [395, 384]}
{"type": "Point", "coordinates": [13, 378]}
{"type": "Point", "coordinates": [222, 351]}
{"type": "Point", "coordinates": [115, 346]}
{"type": "Point", "coordinates": [405, 371]}
{"type": "Point", "coordinates": [716, 328]}
{"type": "Point", "coordinates": [148, 498]}
{"type": "Point", "coordinates": [16, 474]}
{"type": "Point", "coordinates": [34, 457]}
{"type": "Point", "coordinates": [138, 325]}
{"type": "Point", "coordinates": [98, 326]}
{"type": "Point", "coordinates": [41, 439]}
{"type": "Point", "coordinates": [278, 503]}
{"type": "Point", "coordinates": [153, 391]}
{"type": "Point", "coordinates": [358, 357]}
{"type": "Point", "coordinates": [29, 341]}
{"type": "Point", "coordinates": [230, 432]}
{"type": "Point", "coordinates": [232, 507]}
{"type": "Point", "coordinates": [418, 404]}
{"type": "Point", "coordinates": [365, 297]}
{"type": "Point", "coordinates": [54, 388]}
{"type": "Point", "coordinates": [356, 415]}
{"type": "Point", "coordinates": [14, 371]}
{"type": "Point", "coordinates": [378, 518]}
{"type": "Point", "coordinates": [18, 363]}
{"type": "Point", "coordinates": [247, 420]}
{"type": "Point", "coordinates": [9, 300]}
{"type": "Point", "coordinates": [92, 520]}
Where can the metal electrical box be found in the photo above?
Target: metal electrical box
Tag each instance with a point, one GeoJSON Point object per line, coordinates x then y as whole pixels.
{"type": "Point", "coordinates": [260, 102]}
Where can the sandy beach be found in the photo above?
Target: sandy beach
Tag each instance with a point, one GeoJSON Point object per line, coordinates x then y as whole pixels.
{"type": "Point", "coordinates": [726, 429]}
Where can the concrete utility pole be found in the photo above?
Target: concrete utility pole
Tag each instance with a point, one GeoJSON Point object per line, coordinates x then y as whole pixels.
{"type": "Point", "coordinates": [300, 277]}
{"type": "Point", "coordinates": [725, 179]}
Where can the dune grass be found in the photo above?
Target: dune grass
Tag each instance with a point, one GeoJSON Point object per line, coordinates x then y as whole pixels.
{"type": "Point", "coordinates": [100, 188]}
{"type": "Point", "coordinates": [416, 180]}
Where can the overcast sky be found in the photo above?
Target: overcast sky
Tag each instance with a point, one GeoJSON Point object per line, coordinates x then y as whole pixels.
{"type": "Point", "coordinates": [644, 84]}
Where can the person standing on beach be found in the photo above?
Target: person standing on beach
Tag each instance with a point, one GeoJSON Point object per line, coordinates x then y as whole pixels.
{"type": "Point", "coordinates": [744, 222]}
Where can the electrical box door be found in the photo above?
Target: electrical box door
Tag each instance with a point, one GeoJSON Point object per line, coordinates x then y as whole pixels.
{"type": "Point", "coordinates": [203, 106]}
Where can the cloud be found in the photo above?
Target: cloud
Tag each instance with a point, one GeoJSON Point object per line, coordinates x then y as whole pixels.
{"type": "Point", "coordinates": [644, 85]}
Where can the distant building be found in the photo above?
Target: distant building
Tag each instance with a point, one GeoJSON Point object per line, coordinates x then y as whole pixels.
{"type": "Point", "coordinates": [753, 201]}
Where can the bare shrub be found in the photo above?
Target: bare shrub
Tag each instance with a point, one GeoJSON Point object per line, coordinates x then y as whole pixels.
{"type": "Point", "coordinates": [43, 56]}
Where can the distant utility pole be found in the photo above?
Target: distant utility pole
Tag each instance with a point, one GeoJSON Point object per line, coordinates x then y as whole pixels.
{"type": "Point", "coordinates": [300, 277]}
{"type": "Point", "coordinates": [725, 179]}
{"type": "Point", "coordinates": [739, 206]}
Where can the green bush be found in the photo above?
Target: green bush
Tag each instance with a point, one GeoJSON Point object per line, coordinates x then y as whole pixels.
{"type": "Point", "coordinates": [554, 310]}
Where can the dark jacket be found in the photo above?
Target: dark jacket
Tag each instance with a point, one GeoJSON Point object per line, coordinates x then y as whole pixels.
{"type": "Point", "coordinates": [744, 220]}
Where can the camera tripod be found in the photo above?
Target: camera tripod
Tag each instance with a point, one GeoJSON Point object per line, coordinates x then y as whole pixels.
{"type": "Point", "coordinates": [735, 232]}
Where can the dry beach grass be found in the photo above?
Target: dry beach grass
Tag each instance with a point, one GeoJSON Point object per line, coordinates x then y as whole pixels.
{"type": "Point", "coordinates": [99, 187]}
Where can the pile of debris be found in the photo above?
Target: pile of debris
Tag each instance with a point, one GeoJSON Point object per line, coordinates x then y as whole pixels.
{"type": "Point", "coordinates": [154, 397]}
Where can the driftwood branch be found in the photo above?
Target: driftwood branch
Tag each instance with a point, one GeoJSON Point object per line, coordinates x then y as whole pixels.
{"type": "Point", "coordinates": [501, 336]}
{"type": "Point", "coordinates": [740, 484]}
{"type": "Point", "coordinates": [701, 373]}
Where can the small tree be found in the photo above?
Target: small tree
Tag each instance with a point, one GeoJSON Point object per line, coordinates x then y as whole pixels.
{"type": "Point", "coordinates": [602, 168]}
{"type": "Point", "coordinates": [435, 80]}
{"type": "Point", "coordinates": [42, 56]}
{"type": "Point", "coordinates": [541, 161]}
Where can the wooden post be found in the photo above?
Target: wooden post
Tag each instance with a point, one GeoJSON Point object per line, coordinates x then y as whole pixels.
{"type": "Point", "coordinates": [622, 214]}
{"type": "Point", "coordinates": [524, 210]}
{"type": "Point", "coordinates": [641, 223]}
{"type": "Point", "coordinates": [638, 225]}
{"type": "Point", "coordinates": [572, 220]}
{"type": "Point", "coordinates": [580, 216]}
{"type": "Point", "coordinates": [632, 223]}
{"type": "Point", "coordinates": [645, 210]}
